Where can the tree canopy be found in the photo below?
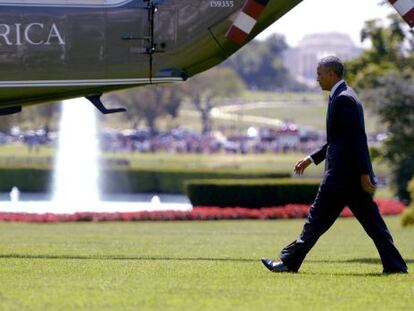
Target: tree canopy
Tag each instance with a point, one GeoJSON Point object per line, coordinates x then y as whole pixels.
{"type": "Point", "coordinates": [260, 65]}
{"type": "Point", "coordinates": [391, 53]}
{"type": "Point", "coordinates": [148, 103]}
{"type": "Point", "coordinates": [204, 89]}
{"type": "Point", "coordinates": [384, 73]}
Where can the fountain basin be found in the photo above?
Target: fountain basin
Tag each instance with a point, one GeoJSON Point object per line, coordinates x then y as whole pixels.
{"type": "Point", "coordinates": [38, 203]}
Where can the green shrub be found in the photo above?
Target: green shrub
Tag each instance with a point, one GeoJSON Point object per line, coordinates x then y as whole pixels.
{"type": "Point", "coordinates": [410, 188]}
{"type": "Point", "coordinates": [407, 217]}
{"type": "Point", "coordinates": [120, 180]}
{"type": "Point", "coordinates": [375, 152]}
{"type": "Point", "coordinates": [251, 193]}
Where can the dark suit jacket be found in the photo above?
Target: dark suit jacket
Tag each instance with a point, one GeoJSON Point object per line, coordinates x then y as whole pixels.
{"type": "Point", "coordinates": [346, 151]}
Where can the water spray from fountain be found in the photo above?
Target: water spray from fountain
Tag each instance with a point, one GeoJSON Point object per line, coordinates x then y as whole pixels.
{"type": "Point", "coordinates": [14, 195]}
{"type": "Point", "coordinates": [76, 174]}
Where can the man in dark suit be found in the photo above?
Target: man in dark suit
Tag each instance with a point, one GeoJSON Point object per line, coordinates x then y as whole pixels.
{"type": "Point", "coordinates": [348, 179]}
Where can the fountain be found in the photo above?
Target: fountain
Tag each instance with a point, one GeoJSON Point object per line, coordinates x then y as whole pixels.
{"type": "Point", "coordinates": [14, 195]}
{"type": "Point", "coordinates": [76, 169]}
{"type": "Point", "coordinates": [76, 175]}
{"type": "Point", "coordinates": [155, 202]}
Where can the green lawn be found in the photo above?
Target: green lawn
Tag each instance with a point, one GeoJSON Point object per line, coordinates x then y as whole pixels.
{"type": "Point", "coordinates": [269, 95]}
{"type": "Point", "coordinates": [313, 115]}
{"type": "Point", "coordinates": [194, 266]}
{"type": "Point", "coordinates": [255, 108]}
{"type": "Point", "coordinates": [278, 163]}
{"type": "Point", "coordinates": [266, 162]}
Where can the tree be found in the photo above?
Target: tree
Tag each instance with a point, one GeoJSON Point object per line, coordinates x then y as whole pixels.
{"type": "Point", "coordinates": [204, 89]}
{"type": "Point", "coordinates": [148, 103]}
{"type": "Point", "coordinates": [6, 123]}
{"type": "Point", "coordinates": [260, 65]}
{"type": "Point", "coordinates": [32, 117]}
{"type": "Point", "coordinates": [385, 74]}
{"type": "Point", "coordinates": [393, 101]}
{"type": "Point", "coordinates": [391, 52]}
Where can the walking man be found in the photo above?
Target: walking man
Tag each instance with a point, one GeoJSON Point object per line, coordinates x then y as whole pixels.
{"type": "Point", "coordinates": [348, 178]}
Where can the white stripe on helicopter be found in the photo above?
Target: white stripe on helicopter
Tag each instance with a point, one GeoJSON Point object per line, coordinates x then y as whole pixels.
{"type": "Point", "coordinates": [65, 3]}
{"type": "Point", "coordinates": [87, 82]}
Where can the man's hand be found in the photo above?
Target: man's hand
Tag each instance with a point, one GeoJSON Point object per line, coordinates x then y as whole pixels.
{"type": "Point", "coordinates": [367, 185]}
{"type": "Point", "coordinates": [301, 166]}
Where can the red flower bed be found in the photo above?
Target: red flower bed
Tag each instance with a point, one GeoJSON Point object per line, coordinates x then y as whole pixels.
{"type": "Point", "coordinates": [386, 207]}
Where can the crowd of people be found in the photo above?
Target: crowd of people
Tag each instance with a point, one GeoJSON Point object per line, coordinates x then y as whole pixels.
{"type": "Point", "coordinates": [181, 140]}
{"type": "Point", "coordinates": [286, 138]}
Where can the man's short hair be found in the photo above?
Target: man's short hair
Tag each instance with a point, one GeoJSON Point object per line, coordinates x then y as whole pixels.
{"type": "Point", "coordinates": [333, 63]}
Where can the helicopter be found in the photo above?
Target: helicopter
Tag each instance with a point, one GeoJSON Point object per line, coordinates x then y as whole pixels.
{"type": "Point", "coordinates": [59, 49]}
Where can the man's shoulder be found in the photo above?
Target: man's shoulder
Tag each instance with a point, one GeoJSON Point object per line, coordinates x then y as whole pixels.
{"type": "Point", "coordinates": [348, 95]}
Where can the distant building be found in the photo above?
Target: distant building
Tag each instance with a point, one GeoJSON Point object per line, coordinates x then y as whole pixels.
{"type": "Point", "coordinates": [302, 60]}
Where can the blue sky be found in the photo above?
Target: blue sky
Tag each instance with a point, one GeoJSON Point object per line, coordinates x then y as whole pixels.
{"type": "Point", "coordinates": [313, 16]}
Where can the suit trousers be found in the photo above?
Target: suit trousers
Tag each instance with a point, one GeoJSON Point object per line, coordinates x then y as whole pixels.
{"type": "Point", "coordinates": [325, 210]}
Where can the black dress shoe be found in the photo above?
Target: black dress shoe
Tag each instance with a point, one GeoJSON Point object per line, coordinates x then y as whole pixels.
{"type": "Point", "coordinates": [275, 266]}
{"type": "Point", "coordinates": [395, 271]}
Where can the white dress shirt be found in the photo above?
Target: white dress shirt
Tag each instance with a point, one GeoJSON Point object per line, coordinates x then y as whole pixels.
{"type": "Point", "coordinates": [333, 89]}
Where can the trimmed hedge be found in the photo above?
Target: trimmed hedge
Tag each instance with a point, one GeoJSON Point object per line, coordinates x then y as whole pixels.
{"type": "Point", "coordinates": [122, 180]}
{"type": "Point", "coordinates": [166, 181]}
{"type": "Point", "coordinates": [27, 179]}
{"type": "Point", "coordinates": [251, 193]}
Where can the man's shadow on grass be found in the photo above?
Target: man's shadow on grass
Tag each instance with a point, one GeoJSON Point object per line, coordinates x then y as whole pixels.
{"type": "Point", "coordinates": [162, 258]}
{"type": "Point", "coordinates": [114, 257]}
{"type": "Point", "coordinates": [375, 261]}
{"type": "Point", "coordinates": [372, 261]}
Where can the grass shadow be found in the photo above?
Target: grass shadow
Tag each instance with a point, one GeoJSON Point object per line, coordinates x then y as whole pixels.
{"type": "Point", "coordinates": [115, 257]}
{"type": "Point", "coordinates": [373, 261]}
{"type": "Point", "coordinates": [207, 259]}
{"type": "Point", "coordinates": [362, 274]}
{"type": "Point", "coordinates": [112, 257]}
{"type": "Point", "coordinates": [353, 274]}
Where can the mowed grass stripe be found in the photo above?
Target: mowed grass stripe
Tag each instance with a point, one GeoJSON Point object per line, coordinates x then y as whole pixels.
{"type": "Point", "coordinates": [194, 266]}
